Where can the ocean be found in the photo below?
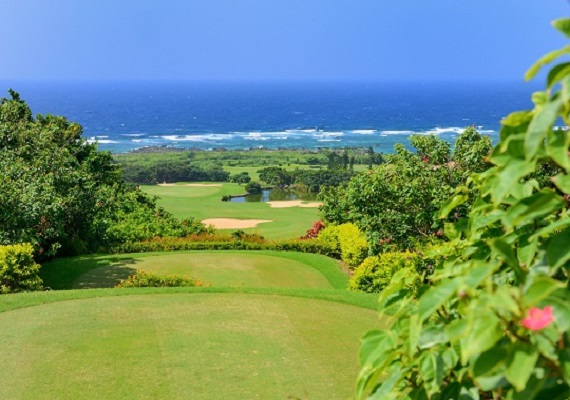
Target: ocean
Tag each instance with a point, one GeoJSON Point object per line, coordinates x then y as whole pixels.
{"type": "Point", "coordinates": [123, 116]}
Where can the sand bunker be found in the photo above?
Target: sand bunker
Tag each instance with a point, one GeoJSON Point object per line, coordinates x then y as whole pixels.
{"type": "Point", "coordinates": [191, 184]}
{"type": "Point", "coordinates": [293, 203]}
{"type": "Point", "coordinates": [232, 223]}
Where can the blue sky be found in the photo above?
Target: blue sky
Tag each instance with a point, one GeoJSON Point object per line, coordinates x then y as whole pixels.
{"type": "Point", "coordinates": [275, 40]}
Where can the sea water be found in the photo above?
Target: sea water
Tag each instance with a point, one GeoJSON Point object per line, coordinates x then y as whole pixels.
{"type": "Point", "coordinates": [122, 116]}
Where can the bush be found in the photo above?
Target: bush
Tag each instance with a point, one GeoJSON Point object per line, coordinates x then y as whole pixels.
{"type": "Point", "coordinates": [376, 272]}
{"type": "Point", "coordinates": [348, 240]}
{"type": "Point", "coordinates": [224, 242]}
{"type": "Point", "coordinates": [253, 188]}
{"type": "Point", "coordinates": [149, 279]}
{"type": "Point", "coordinates": [18, 270]}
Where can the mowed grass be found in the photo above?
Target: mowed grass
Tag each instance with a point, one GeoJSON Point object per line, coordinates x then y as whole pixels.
{"type": "Point", "coordinates": [182, 346]}
{"type": "Point", "coordinates": [202, 202]}
{"type": "Point", "coordinates": [275, 325]}
{"type": "Point", "coordinates": [270, 269]}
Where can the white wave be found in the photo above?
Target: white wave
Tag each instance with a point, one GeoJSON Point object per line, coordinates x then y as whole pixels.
{"type": "Point", "coordinates": [386, 133]}
{"type": "Point", "coordinates": [133, 134]}
{"type": "Point", "coordinates": [328, 140]}
{"type": "Point", "coordinates": [94, 139]}
{"type": "Point", "coordinates": [328, 134]}
{"type": "Point", "coordinates": [210, 137]}
{"type": "Point", "coordinates": [136, 140]}
{"type": "Point", "coordinates": [363, 131]}
{"type": "Point", "coordinates": [101, 136]}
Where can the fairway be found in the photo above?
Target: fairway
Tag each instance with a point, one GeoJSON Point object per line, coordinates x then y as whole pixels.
{"type": "Point", "coordinates": [202, 202]}
{"type": "Point", "coordinates": [218, 268]}
{"type": "Point", "coordinates": [175, 346]}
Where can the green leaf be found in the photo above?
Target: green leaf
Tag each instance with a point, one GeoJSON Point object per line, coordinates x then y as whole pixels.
{"type": "Point", "coordinates": [520, 364]}
{"type": "Point", "coordinates": [546, 59]}
{"type": "Point", "coordinates": [557, 148]}
{"type": "Point", "coordinates": [432, 336]}
{"type": "Point", "coordinates": [530, 208]}
{"type": "Point", "coordinates": [552, 227]}
{"type": "Point", "coordinates": [558, 251]}
{"type": "Point", "coordinates": [539, 127]}
{"type": "Point", "coordinates": [561, 307]}
{"type": "Point", "coordinates": [563, 25]}
{"type": "Point", "coordinates": [436, 297]}
{"type": "Point", "coordinates": [526, 250]}
{"type": "Point", "coordinates": [451, 204]}
{"type": "Point", "coordinates": [505, 251]}
{"type": "Point", "coordinates": [557, 73]}
{"type": "Point", "coordinates": [384, 391]}
{"type": "Point", "coordinates": [415, 331]}
{"type": "Point", "coordinates": [484, 332]}
{"type": "Point", "coordinates": [517, 118]}
{"type": "Point", "coordinates": [564, 358]}
{"type": "Point", "coordinates": [457, 329]}
{"type": "Point", "coordinates": [431, 370]}
{"type": "Point", "coordinates": [488, 368]}
{"type": "Point", "coordinates": [562, 182]}
{"type": "Point", "coordinates": [538, 288]}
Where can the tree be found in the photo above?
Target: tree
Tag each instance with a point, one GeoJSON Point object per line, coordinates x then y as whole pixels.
{"type": "Point", "coordinates": [253, 188]}
{"type": "Point", "coordinates": [397, 203]}
{"type": "Point", "coordinates": [59, 192]}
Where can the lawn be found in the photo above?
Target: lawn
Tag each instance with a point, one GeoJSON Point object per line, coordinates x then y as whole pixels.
{"type": "Point", "coordinates": [273, 325]}
{"type": "Point", "coordinates": [176, 345]}
{"type": "Point", "coordinates": [218, 268]}
{"type": "Point", "coordinates": [202, 202]}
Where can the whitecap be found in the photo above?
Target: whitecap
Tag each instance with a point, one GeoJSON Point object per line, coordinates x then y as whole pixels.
{"type": "Point", "coordinates": [386, 133]}
{"type": "Point", "coordinates": [363, 131]}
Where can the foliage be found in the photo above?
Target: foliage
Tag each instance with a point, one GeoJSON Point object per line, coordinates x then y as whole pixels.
{"type": "Point", "coordinates": [349, 240]}
{"type": "Point", "coordinates": [396, 204]}
{"type": "Point", "coordinates": [18, 270]}
{"type": "Point", "coordinates": [314, 231]}
{"type": "Point", "coordinates": [495, 322]}
{"type": "Point", "coordinates": [169, 167]}
{"type": "Point", "coordinates": [62, 195]}
{"type": "Point", "coordinates": [241, 178]}
{"type": "Point", "coordinates": [224, 242]}
{"type": "Point", "coordinates": [150, 279]}
{"type": "Point", "coordinates": [376, 272]}
{"type": "Point", "coordinates": [253, 188]}
{"type": "Point", "coordinates": [276, 176]}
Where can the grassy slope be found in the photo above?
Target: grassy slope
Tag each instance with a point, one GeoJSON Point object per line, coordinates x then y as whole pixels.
{"type": "Point", "coordinates": [205, 202]}
{"type": "Point", "coordinates": [220, 268]}
{"type": "Point", "coordinates": [202, 346]}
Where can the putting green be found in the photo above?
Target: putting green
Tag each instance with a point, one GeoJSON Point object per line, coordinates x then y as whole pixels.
{"type": "Point", "coordinates": [174, 346]}
{"type": "Point", "coordinates": [218, 268]}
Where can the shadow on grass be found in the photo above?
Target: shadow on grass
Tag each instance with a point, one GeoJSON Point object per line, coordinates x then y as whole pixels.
{"type": "Point", "coordinates": [87, 272]}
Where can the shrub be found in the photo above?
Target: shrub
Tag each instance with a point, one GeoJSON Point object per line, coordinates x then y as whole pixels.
{"type": "Point", "coordinates": [149, 279]}
{"type": "Point", "coordinates": [224, 242]}
{"type": "Point", "coordinates": [376, 272]}
{"type": "Point", "coordinates": [253, 188]}
{"type": "Point", "coordinates": [348, 240]}
{"type": "Point", "coordinates": [18, 270]}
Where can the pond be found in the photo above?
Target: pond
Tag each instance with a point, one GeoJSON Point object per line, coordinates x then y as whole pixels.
{"type": "Point", "coordinates": [276, 195]}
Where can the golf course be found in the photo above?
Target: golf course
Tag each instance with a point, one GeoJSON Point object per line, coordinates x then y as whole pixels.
{"type": "Point", "coordinates": [203, 202]}
{"type": "Point", "coordinates": [271, 325]}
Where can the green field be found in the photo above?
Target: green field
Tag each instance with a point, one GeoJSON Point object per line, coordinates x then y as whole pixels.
{"type": "Point", "coordinates": [273, 325]}
{"type": "Point", "coordinates": [218, 268]}
{"type": "Point", "coordinates": [175, 346]}
{"type": "Point", "coordinates": [203, 202]}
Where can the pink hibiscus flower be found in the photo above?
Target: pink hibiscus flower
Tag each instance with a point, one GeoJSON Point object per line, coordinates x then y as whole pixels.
{"type": "Point", "coordinates": [538, 319]}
